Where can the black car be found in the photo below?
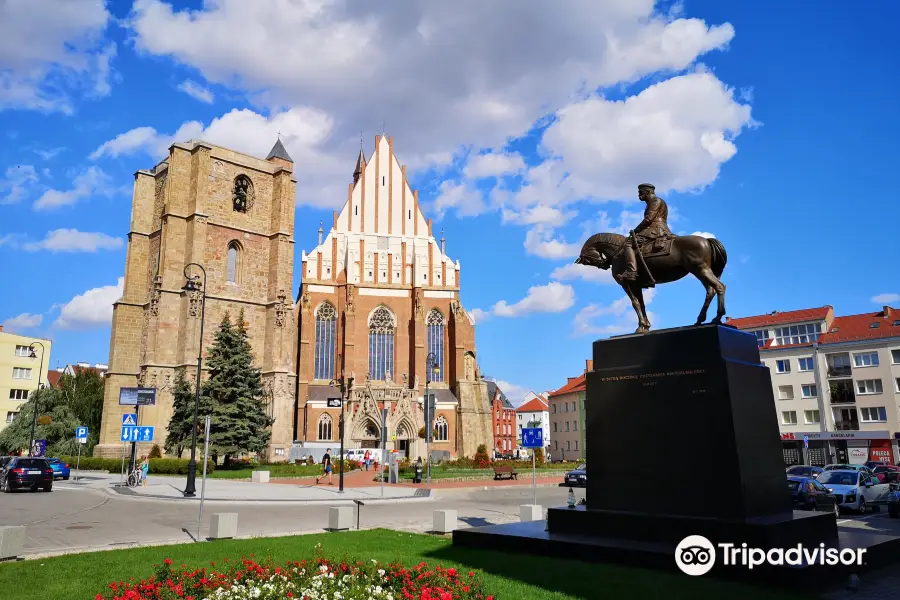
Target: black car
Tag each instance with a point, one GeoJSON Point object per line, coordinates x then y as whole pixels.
{"type": "Point", "coordinates": [576, 477]}
{"type": "Point", "coordinates": [805, 471]}
{"type": "Point", "coordinates": [809, 494]}
{"type": "Point", "coordinates": [23, 472]}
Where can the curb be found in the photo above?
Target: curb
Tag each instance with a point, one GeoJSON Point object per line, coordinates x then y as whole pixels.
{"type": "Point", "coordinates": [419, 495]}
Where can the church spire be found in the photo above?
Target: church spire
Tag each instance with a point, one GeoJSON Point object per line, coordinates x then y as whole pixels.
{"type": "Point", "coordinates": [279, 151]}
{"type": "Point", "coordinates": [360, 165]}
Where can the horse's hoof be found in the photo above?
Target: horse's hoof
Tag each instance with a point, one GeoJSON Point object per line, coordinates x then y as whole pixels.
{"type": "Point", "coordinates": [698, 323]}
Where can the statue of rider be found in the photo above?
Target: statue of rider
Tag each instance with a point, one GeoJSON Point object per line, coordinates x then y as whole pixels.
{"type": "Point", "coordinates": [654, 226]}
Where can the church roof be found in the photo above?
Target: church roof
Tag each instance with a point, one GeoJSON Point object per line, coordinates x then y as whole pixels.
{"type": "Point", "coordinates": [279, 151]}
{"type": "Point", "coordinates": [360, 165]}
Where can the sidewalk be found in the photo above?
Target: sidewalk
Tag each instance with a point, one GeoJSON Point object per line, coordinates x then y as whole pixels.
{"type": "Point", "coordinates": [366, 479]}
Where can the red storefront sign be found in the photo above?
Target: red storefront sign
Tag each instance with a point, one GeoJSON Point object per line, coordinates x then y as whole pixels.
{"type": "Point", "coordinates": [881, 450]}
{"type": "Point", "coordinates": [787, 437]}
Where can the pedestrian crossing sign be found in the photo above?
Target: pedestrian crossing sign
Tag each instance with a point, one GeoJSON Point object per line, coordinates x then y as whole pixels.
{"type": "Point", "coordinates": [129, 420]}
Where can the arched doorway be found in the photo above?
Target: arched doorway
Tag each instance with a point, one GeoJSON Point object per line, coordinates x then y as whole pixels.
{"type": "Point", "coordinates": [406, 437]}
{"type": "Point", "coordinates": [367, 435]}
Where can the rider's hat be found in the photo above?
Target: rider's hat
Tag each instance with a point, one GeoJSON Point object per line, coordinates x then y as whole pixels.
{"type": "Point", "coordinates": [646, 186]}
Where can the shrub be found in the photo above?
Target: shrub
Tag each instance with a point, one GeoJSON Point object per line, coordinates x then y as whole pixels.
{"type": "Point", "coordinates": [538, 456]}
{"type": "Point", "coordinates": [155, 452]}
{"type": "Point", "coordinates": [160, 466]}
{"type": "Point", "coordinates": [481, 459]}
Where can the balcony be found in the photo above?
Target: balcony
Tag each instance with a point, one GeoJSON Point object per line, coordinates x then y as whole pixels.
{"type": "Point", "coordinates": [839, 371]}
{"type": "Point", "coordinates": [846, 425]}
{"type": "Point", "coordinates": [842, 392]}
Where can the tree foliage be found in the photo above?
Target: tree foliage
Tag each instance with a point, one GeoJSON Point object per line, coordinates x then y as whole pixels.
{"type": "Point", "coordinates": [56, 423]}
{"type": "Point", "coordinates": [179, 430]}
{"type": "Point", "coordinates": [83, 392]}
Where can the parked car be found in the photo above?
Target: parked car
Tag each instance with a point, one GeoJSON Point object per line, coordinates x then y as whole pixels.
{"type": "Point", "coordinates": [854, 489]}
{"type": "Point", "coordinates": [871, 464]}
{"type": "Point", "coordinates": [846, 467]}
{"type": "Point", "coordinates": [576, 477]}
{"type": "Point", "coordinates": [804, 471]}
{"type": "Point", "coordinates": [22, 472]}
{"type": "Point", "coordinates": [808, 494]}
{"type": "Point", "coordinates": [886, 473]}
{"type": "Point", "coordinates": [893, 499]}
{"type": "Point", "coordinates": [60, 469]}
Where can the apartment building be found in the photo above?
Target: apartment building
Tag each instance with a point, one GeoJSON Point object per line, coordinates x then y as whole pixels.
{"type": "Point", "coordinates": [835, 380]}
{"type": "Point", "coordinates": [534, 412]}
{"type": "Point", "coordinates": [567, 422]}
{"type": "Point", "coordinates": [503, 420]}
{"type": "Point", "coordinates": [20, 371]}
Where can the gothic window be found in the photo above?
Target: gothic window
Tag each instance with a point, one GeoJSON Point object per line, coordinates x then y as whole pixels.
{"type": "Point", "coordinates": [441, 430]}
{"type": "Point", "coordinates": [381, 344]}
{"type": "Point", "coordinates": [435, 323]}
{"type": "Point", "coordinates": [232, 268]}
{"type": "Point", "coordinates": [242, 194]}
{"type": "Point", "coordinates": [326, 321]}
{"type": "Point", "coordinates": [325, 427]}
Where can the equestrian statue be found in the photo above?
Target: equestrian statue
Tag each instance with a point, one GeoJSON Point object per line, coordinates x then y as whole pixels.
{"type": "Point", "coordinates": [652, 254]}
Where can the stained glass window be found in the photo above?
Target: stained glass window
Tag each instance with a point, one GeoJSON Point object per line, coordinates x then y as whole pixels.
{"type": "Point", "coordinates": [435, 324]}
{"type": "Point", "coordinates": [326, 320]}
{"type": "Point", "coordinates": [381, 343]}
{"type": "Point", "coordinates": [325, 427]}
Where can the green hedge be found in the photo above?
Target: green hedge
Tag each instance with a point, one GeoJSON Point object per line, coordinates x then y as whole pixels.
{"type": "Point", "coordinates": [160, 466]}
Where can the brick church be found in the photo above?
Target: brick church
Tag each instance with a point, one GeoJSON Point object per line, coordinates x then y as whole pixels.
{"type": "Point", "coordinates": [379, 299]}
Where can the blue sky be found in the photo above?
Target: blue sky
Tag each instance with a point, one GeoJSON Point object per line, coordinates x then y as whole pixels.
{"type": "Point", "coordinates": [770, 125]}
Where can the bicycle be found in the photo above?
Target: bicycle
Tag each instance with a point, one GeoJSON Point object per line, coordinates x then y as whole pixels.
{"type": "Point", "coordinates": [135, 477]}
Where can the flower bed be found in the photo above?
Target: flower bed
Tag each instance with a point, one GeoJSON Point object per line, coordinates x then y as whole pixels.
{"type": "Point", "coordinates": [316, 579]}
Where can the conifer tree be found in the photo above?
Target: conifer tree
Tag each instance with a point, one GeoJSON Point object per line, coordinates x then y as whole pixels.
{"type": "Point", "coordinates": [179, 429]}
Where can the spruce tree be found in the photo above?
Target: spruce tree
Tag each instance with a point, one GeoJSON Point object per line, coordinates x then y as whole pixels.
{"type": "Point", "coordinates": [236, 396]}
{"type": "Point", "coordinates": [182, 420]}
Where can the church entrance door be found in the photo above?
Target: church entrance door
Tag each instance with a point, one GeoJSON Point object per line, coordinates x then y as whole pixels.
{"type": "Point", "coordinates": [368, 444]}
{"type": "Point", "coordinates": [403, 448]}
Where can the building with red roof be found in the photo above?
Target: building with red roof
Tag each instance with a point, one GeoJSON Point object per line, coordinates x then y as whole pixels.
{"type": "Point", "coordinates": [534, 412]}
{"type": "Point", "coordinates": [567, 425]}
{"type": "Point", "coordinates": [836, 382]}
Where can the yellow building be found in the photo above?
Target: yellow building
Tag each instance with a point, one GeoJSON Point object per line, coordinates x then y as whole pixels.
{"type": "Point", "coordinates": [19, 371]}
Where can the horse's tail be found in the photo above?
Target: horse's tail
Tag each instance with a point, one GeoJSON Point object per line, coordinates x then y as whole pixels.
{"type": "Point", "coordinates": [719, 256]}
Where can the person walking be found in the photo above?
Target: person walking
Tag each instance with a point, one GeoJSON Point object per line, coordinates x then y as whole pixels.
{"type": "Point", "coordinates": [145, 469]}
{"type": "Point", "coordinates": [367, 458]}
{"type": "Point", "coordinates": [326, 466]}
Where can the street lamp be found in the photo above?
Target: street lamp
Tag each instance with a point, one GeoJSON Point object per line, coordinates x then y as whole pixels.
{"type": "Point", "coordinates": [346, 387]}
{"type": "Point", "coordinates": [36, 394]}
{"type": "Point", "coordinates": [192, 285]}
{"type": "Point", "coordinates": [430, 366]}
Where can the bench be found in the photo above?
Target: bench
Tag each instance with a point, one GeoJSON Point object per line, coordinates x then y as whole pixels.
{"type": "Point", "coordinates": [505, 472]}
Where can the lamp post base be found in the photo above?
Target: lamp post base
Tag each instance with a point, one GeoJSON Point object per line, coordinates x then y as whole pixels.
{"type": "Point", "coordinates": [190, 490]}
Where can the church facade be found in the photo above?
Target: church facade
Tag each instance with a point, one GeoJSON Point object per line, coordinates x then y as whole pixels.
{"type": "Point", "coordinates": [379, 298]}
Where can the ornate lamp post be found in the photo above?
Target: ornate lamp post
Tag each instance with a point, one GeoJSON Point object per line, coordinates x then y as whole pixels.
{"type": "Point", "coordinates": [192, 286]}
{"type": "Point", "coordinates": [36, 394]}
{"type": "Point", "coordinates": [346, 387]}
{"type": "Point", "coordinates": [430, 366]}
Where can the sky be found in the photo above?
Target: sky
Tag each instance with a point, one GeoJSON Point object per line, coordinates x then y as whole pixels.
{"type": "Point", "coordinates": [526, 126]}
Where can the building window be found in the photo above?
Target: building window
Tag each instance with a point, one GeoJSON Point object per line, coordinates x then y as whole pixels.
{"type": "Point", "coordinates": [868, 386]}
{"type": "Point", "coordinates": [575, 425]}
{"type": "Point", "coordinates": [20, 395]}
{"type": "Point", "coordinates": [789, 417]}
{"type": "Point", "coordinates": [783, 366]}
{"type": "Point", "coordinates": [762, 336]}
{"type": "Point", "coordinates": [866, 359]}
{"type": "Point", "coordinates": [797, 334]}
{"type": "Point", "coordinates": [806, 364]}
{"type": "Point", "coordinates": [23, 351]}
{"type": "Point", "coordinates": [568, 445]}
{"type": "Point", "coordinates": [897, 384]}
{"type": "Point", "coordinates": [556, 444]}
{"type": "Point", "coordinates": [554, 409]}
{"type": "Point", "coordinates": [326, 324]}
{"type": "Point", "coordinates": [325, 427]}
{"type": "Point", "coordinates": [21, 373]}
{"type": "Point", "coordinates": [554, 426]}
{"type": "Point", "coordinates": [785, 392]}
{"type": "Point", "coordinates": [567, 426]}
{"type": "Point", "coordinates": [10, 417]}
{"type": "Point", "coordinates": [873, 414]}
{"type": "Point", "coordinates": [441, 430]}
{"type": "Point", "coordinates": [381, 344]}
{"type": "Point", "coordinates": [895, 357]}
{"type": "Point", "coordinates": [435, 323]}
{"type": "Point", "coordinates": [233, 266]}
{"type": "Point", "coordinates": [576, 444]}
{"type": "Point", "coordinates": [809, 391]}
{"type": "Point", "coordinates": [242, 194]}
{"type": "Point", "coordinates": [811, 417]}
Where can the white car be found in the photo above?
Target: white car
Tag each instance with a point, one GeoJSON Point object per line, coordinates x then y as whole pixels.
{"type": "Point", "coordinates": [854, 490]}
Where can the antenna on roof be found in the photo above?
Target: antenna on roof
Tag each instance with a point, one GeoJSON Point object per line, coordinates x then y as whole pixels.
{"type": "Point", "coordinates": [382, 128]}
{"type": "Point", "coordinates": [360, 140]}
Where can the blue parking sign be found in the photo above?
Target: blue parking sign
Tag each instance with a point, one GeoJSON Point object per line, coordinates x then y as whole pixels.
{"type": "Point", "coordinates": [81, 433]}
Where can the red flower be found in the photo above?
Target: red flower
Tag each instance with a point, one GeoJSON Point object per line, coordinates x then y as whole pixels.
{"type": "Point", "coordinates": [451, 572]}
{"type": "Point", "coordinates": [168, 561]}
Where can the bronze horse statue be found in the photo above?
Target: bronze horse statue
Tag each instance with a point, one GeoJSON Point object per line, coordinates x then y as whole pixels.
{"type": "Point", "coordinates": [704, 258]}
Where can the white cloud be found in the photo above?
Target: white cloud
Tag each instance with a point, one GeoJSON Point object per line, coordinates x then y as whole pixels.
{"type": "Point", "coordinates": [623, 318]}
{"type": "Point", "coordinates": [514, 393]}
{"type": "Point", "coordinates": [705, 234]}
{"type": "Point", "coordinates": [196, 91]}
{"type": "Point", "coordinates": [90, 182]}
{"type": "Point", "coordinates": [463, 198]}
{"type": "Point", "coordinates": [23, 321]}
{"type": "Point", "coordinates": [90, 310]}
{"type": "Point", "coordinates": [553, 297]}
{"type": "Point", "coordinates": [50, 152]}
{"type": "Point", "coordinates": [49, 49]}
{"type": "Point", "coordinates": [538, 215]}
{"type": "Point", "coordinates": [15, 186]}
{"type": "Point", "coordinates": [494, 165]}
{"type": "Point", "coordinates": [479, 315]}
{"type": "Point", "coordinates": [583, 272]}
{"type": "Point", "coordinates": [72, 240]}
{"type": "Point", "coordinates": [886, 298]}
{"type": "Point", "coordinates": [133, 140]}
{"type": "Point", "coordinates": [539, 241]}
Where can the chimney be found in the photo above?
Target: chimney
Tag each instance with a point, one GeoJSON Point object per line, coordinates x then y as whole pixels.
{"type": "Point", "coordinates": [887, 312]}
{"type": "Point", "coordinates": [588, 365]}
{"type": "Point", "coordinates": [1, 328]}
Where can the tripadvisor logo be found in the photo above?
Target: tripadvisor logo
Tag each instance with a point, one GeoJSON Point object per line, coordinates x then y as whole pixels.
{"type": "Point", "coordinates": [696, 555]}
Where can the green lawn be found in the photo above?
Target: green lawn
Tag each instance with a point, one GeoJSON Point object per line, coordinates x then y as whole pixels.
{"type": "Point", "coordinates": [507, 576]}
{"type": "Point", "coordinates": [274, 471]}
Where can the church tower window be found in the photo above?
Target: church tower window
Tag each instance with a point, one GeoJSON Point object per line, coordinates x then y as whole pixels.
{"type": "Point", "coordinates": [325, 427]}
{"type": "Point", "coordinates": [326, 320]}
{"type": "Point", "coordinates": [381, 344]}
{"type": "Point", "coordinates": [242, 194]}
{"type": "Point", "coordinates": [233, 263]}
{"type": "Point", "coordinates": [441, 430]}
{"type": "Point", "coordinates": [435, 324]}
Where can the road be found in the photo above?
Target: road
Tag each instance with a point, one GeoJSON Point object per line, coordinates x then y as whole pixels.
{"type": "Point", "coordinates": [73, 518]}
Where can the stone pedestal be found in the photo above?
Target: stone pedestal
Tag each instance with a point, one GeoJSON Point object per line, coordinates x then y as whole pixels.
{"type": "Point", "coordinates": [340, 518]}
{"type": "Point", "coordinates": [12, 541]}
{"type": "Point", "coordinates": [260, 477]}
{"type": "Point", "coordinates": [445, 521]}
{"type": "Point", "coordinates": [223, 526]}
{"type": "Point", "coordinates": [530, 512]}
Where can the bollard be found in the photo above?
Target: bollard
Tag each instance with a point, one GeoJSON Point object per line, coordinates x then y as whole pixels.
{"type": "Point", "coordinates": [445, 521]}
{"type": "Point", "coordinates": [339, 518]}
{"type": "Point", "coordinates": [530, 512]}
{"type": "Point", "coordinates": [12, 541]}
{"type": "Point", "coordinates": [260, 477]}
{"type": "Point", "coordinates": [223, 526]}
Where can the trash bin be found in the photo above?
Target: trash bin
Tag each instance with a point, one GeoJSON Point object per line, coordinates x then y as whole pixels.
{"type": "Point", "coordinates": [418, 475]}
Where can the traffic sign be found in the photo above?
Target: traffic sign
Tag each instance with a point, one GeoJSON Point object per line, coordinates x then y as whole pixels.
{"type": "Point", "coordinates": [137, 434]}
{"type": "Point", "coordinates": [81, 433]}
{"type": "Point", "coordinates": [334, 402]}
{"type": "Point", "coordinates": [532, 437]}
{"type": "Point", "coordinates": [129, 420]}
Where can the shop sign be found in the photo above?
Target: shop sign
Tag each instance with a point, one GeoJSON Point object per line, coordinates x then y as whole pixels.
{"type": "Point", "coordinates": [857, 455]}
{"type": "Point", "coordinates": [836, 435]}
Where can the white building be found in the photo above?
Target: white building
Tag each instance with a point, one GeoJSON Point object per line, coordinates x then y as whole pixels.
{"type": "Point", "coordinates": [534, 412]}
{"type": "Point", "coordinates": [836, 382]}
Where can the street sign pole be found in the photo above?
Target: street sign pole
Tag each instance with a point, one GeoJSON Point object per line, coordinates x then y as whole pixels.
{"type": "Point", "coordinates": [78, 460]}
{"type": "Point", "coordinates": [124, 446]}
{"type": "Point", "coordinates": [137, 421]}
{"type": "Point", "coordinates": [203, 483]}
{"type": "Point", "coordinates": [384, 414]}
{"type": "Point", "coordinates": [533, 476]}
